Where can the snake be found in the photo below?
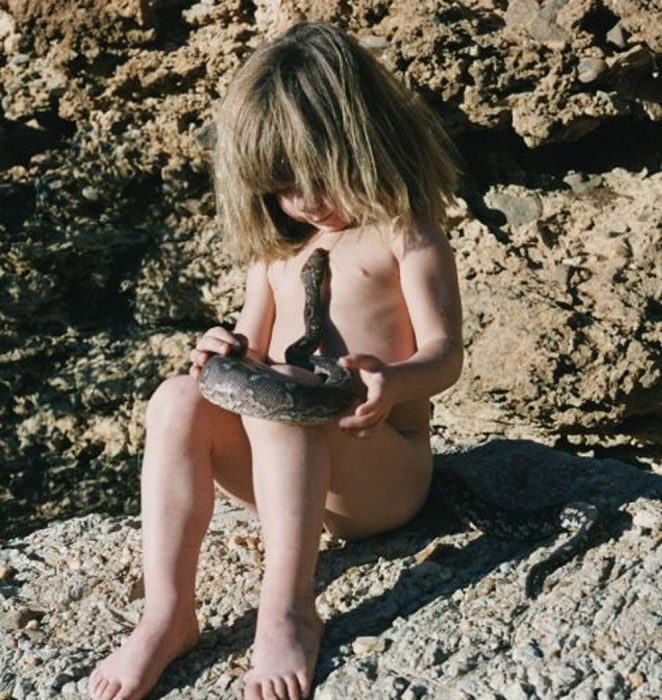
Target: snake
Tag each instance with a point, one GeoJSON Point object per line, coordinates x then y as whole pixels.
{"type": "Point", "coordinates": [249, 387]}
{"type": "Point", "coordinates": [576, 518]}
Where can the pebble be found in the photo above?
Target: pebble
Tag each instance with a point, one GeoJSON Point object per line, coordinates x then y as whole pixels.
{"type": "Point", "coordinates": [579, 182]}
{"type": "Point", "coordinates": [590, 69]}
{"type": "Point", "coordinates": [647, 519]}
{"type": "Point", "coordinates": [18, 618]}
{"type": "Point", "coordinates": [518, 210]}
{"type": "Point", "coordinates": [374, 43]}
{"type": "Point", "coordinates": [515, 691]}
{"type": "Point", "coordinates": [90, 193]}
{"type": "Point", "coordinates": [366, 645]}
{"type": "Point", "coordinates": [616, 36]}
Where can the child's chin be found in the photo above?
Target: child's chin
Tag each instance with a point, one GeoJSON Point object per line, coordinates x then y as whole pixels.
{"type": "Point", "coordinates": [331, 224]}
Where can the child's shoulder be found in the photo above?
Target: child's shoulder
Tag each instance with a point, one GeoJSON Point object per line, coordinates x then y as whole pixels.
{"type": "Point", "coordinates": [404, 236]}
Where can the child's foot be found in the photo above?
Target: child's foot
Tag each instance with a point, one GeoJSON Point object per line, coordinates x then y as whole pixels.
{"type": "Point", "coordinates": [284, 655]}
{"type": "Point", "coordinates": [132, 671]}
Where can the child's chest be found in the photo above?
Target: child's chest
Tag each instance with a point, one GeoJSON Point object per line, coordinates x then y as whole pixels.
{"type": "Point", "coordinates": [362, 273]}
{"type": "Point", "coordinates": [364, 302]}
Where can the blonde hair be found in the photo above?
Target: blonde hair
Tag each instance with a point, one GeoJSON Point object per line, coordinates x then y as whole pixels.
{"type": "Point", "coordinates": [314, 112]}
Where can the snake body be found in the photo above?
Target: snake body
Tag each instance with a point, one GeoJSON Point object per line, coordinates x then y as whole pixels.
{"type": "Point", "coordinates": [248, 387]}
{"type": "Point", "coordinates": [575, 517]}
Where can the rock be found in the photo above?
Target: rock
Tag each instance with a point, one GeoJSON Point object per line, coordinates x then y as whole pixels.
{"type": "Point", "coordinates": [112, 265]}
{"type": "Point", "coordinates": [18, 618]}
{"type": "Point", "coordinates": [593, 629]}
{"type": "Point", "coordinates": [367, 645]}
{"type": "Point", "coordinates": [517, 210]}
{"type": "Point", "coordinates": [579, 182]}
{"type": "Point", "coordinates": [7, 573]}
{"type": "Point", "coordinates": [616, 36]}
{"type": "Point", "coordinates": [590, 69]}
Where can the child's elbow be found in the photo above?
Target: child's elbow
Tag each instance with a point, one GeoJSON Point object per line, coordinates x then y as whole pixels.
{"type": "Point", "coordinates": [455, 362]}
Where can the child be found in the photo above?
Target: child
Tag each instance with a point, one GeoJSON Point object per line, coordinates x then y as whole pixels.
{"type": "Point", "coordinates": [317, 146]}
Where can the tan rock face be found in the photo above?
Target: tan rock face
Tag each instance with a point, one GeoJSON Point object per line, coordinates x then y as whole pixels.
{"type": "Point", "coordinates": [111, 263]}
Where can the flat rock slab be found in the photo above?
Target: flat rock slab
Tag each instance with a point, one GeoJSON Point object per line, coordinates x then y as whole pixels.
{"type": "Point", "coordinates": [430, 610]}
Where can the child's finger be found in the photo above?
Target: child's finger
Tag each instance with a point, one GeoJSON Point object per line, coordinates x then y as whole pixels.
{"type": "Point", "coordinates": [367, 407]}
{"type": "Point", "coordinates": [219, 347]}
{"type": "Point", "coordinates": [198, 357]}
{"type": "Point", "coordinates": [237, 341]}
{"type": "Point", "coordinates": [361, 361]}
{"type": "Point", "coordinates": [355, 422]}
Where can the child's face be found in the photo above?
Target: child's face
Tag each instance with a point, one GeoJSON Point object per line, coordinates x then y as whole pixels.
{"type": "Point", "coordinates": [319, 213]}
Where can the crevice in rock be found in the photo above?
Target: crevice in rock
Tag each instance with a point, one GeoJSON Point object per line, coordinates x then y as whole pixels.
{"type": "Point", "coordinates": [172, 30]}
{"type": "Point", "coordinates": [22, 141]}
{"type": "Point", "coordinates": [500, 157]}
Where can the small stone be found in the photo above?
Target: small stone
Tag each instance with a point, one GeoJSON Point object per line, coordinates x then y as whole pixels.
{"type": "Point", "coordinates": [590, 69]}
{"type": "Point", "coordinates": [223, 681]}
{"type": "Point", "coordinates": [647, 519]}
{"type": "Point", "coordinates": [366, 645]}
{"type": "Point", "coordinates": [18, 619]}
{"type": "Point", "coordinates": [616, 36]}
{"type": "Point", "coordinates": [7, 24]}
{"type": "Point", "coordinates": [578, 182]}
{"type": "Point", "coordinates": [374, 43]}
{"type": "Point", "coordinates": [6, 573]}
{"type": "Point", "coordinates": [515, 691]}
{"type": "Point", "coordinates": [92, 195]}
{"type": "Point", "coordinates": [517, 210]}
{"type": "Point", "coordinates": [636, 679]}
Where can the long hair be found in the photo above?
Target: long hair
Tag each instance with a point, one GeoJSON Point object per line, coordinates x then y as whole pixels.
{"type": "Point", "coordinates": [314, 112]}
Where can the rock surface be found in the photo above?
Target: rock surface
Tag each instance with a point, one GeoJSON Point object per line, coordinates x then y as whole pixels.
{"type": "Point", "coordinates": [427, 611]}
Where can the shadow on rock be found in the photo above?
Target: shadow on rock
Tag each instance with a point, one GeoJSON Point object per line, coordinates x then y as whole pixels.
{"type": "Point", "coordinates": [515, 474]}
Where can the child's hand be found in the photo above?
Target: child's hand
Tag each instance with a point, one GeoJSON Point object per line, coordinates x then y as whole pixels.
{"type": "Point", "coordinates": [216, 341]}
{"type": "Point", "coordinates": [379, 379]}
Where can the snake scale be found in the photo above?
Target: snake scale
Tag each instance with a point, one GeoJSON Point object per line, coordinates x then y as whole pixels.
{"type": "Point", "coordinates": [248, 387]}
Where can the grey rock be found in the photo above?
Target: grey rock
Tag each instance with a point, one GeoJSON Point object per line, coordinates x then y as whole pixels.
{"type": "Point", "coordinates": [590, 69]}
{"type": "Point", "coordinates": [517, 210]}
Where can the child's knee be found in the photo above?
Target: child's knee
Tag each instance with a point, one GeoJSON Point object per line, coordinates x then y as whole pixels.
{"type": "Point", "coordinates": [174, 397]}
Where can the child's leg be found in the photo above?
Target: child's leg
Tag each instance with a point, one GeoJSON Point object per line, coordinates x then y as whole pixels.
{"type": "Point", "coordinates": [188, 440]}
{"type": "Point", "coordinates": [368, 486]}
{"type": "Point", "coordinates": [291, 476]}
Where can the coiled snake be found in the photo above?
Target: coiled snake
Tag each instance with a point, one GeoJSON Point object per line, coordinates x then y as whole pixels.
{"type": "Point", "coordinates": [245, 386]}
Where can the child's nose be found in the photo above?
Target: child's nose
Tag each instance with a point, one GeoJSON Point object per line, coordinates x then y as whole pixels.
{"type": "Point", "coordinates": [307, 206]}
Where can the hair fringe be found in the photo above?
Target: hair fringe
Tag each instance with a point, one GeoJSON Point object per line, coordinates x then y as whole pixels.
{"type": "Point", "coordinates": [313, 111]}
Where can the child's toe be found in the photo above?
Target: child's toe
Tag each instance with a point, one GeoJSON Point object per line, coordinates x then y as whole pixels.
{"type": "Point", "coordinates": [304, 683]}
{"type": "Point", "coordinates": [111, 690]}
{"type": "Point", "coordinates": [293, 687]}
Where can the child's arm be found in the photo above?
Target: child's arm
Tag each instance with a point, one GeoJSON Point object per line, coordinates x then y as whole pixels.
{"type": "Point", "coordinates": [252, 332]}
{"type": "Point", "coordinates": [428, 279]}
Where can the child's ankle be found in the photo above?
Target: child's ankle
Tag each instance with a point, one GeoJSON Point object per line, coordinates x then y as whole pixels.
{"type": "Point", "coordinates": [170, 615]}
